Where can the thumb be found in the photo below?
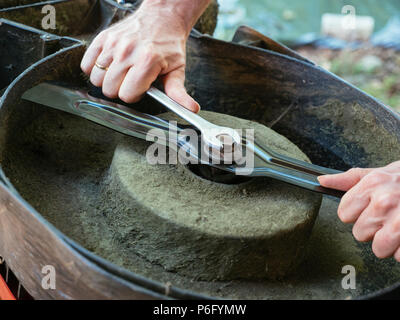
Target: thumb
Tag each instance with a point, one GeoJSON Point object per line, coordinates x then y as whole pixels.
{"type": "Point", "coordinates": [175, 89]}
{"type": "Point", "coordinates": [343, 181]}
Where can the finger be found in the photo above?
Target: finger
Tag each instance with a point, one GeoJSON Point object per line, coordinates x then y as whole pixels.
{"type": "Point", "coordinates": [397, 255]}
{"type": "Point", "coordinates": [353, 203]}
{"type": "Point", "coordinates": [90, 56]}
{"type": "Point", "coordinates": [137, 81]}
{"type": "Point", "coordinates": [369, 223]}
{"type": "Point", "coordinates": [113, 79]}
{"type": "Point", "coordinates": [343, 181]}
{"type": "Point", "coordinates": [175, 89]}
{"type": "Point", "coordinates": [97, 75]}
{"type": "Point", "coordinates": [386, 242]}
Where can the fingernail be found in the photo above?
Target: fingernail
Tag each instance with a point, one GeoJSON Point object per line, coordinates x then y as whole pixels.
{"type": "Point", "coordinates": [321, 178]}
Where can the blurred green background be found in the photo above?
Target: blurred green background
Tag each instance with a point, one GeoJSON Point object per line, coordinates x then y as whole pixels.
{"type": "Point", "coordinates": [372, 69]}
{"type": "Point", "coordinates": [286, 20]}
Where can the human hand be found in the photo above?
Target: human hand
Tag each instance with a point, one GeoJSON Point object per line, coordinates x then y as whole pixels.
{"type": "Point", "coordinates": [128, 57]}
{"type": "Point", "coordinates": [372, 203]}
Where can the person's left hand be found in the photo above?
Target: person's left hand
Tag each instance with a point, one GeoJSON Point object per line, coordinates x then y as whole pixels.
{"type": "Point", "coordinates": [372, 203]}
{"type": "Point", "coordinates": [129, 56]}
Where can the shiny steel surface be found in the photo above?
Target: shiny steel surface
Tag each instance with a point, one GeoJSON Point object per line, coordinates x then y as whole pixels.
{"type": "Point", "coordinates": [264, 162]}
{"type": "Point", "coordinates": [212, 134]}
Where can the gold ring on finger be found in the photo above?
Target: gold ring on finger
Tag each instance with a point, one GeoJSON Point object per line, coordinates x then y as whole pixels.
{"type": "Point", "coordinates": [98, 65]}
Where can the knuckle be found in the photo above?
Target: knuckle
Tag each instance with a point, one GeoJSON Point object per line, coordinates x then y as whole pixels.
{"type": "Point", "coordinates": [182, 63]}
{"type": "Point", "coordinates": [85, 68]}
{"type": "Point", "coordinates": [109, 47]}
{"type": "Point", "coordinates": [111, 43]}
{"type": "Point", "coordinates": [150, 55]}
{"type": "Point", "coordinates": [397, 254]}
{"type": "Point", "coordinates": [375, 178]}
{"type": "Point", "coordinates": [384, 202]}
{"type": "Point", "coordinates": [358, 234]}
{"type": "Point", "coordinates": [383, 241]}
{"type": "Point", "coordinates": [396, 226]}
{"type": "Point", "coordinates": [355, 171]}
{"type": "Point", "coordinates": [96, 83]}
{"type": "Point", "coordinates": [124, 51]}
{"type": "Point", "coordinates": [343, 216]}
{"type": "Point", "coordinates": [126, 96]}
{"type": "Point", "coordinates": [102, 36]}
{"type": "Point", "coordinates": [95, 80]}
{"type": "Point", "coordinates": [344, 213]}
{"type": "Point", "coordinates": [396, 178]}
{"type": "Point", "coordinates": [109, 92]}
{"type": "Point", "coordinates": [361, 237]}
{"type": "Point", "coordinates": [377, 252]}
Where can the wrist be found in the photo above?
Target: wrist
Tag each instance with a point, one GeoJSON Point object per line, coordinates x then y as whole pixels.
{"type": "Point", "coordinates": [184, 13]}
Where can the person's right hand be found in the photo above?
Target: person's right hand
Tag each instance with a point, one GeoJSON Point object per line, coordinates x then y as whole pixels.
{"type": "Point", "coordinates": [128, 57]}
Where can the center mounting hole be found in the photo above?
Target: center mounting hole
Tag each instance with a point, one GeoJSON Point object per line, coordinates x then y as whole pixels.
{"type": "Point", "coordinates": [216, 175]}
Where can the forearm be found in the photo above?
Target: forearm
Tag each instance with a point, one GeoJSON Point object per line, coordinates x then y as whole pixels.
{"type": "Point", "coordinates": [186, 12]}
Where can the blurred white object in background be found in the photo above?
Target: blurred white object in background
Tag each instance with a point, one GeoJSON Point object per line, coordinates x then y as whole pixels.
{"type": "Point", "coordinates": [349, 27]}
